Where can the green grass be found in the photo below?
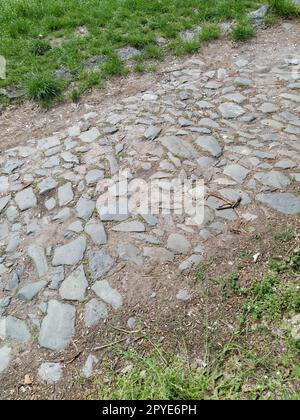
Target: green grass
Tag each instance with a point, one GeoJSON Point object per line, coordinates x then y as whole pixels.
{"type": "Point", "coordinates": [41, 37]}
{"type": "Point", "coordinates": [242, 31]}
{"type": "Point", "coordinates": [43, 88]}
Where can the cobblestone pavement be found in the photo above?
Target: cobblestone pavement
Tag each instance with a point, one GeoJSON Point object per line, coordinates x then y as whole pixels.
{"type": "Point", "coordinates": [66, 262]}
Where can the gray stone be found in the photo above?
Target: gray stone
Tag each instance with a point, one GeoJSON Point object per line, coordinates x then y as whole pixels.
{"type": "Point", "coordinates": [50, 373]}
{"type": "Point", "coordinates": [76, 226]}
{"type": "Point", "coordinates": [159, 255]}
{"type": "Point", "coordinates": [4, 231]}
{"type": "Point", "coordinates": [295, 324]}
{"type": "Point", "coordinates": [3, 202]}
{"type": "Point", "coordinates": [71, 253]}
{"type": "Point", "coordinates": [14, 329]}
{"type": "Point", "coordinates": [100, 263]}
{"type": "Point", "coordinates": [87, 370]}
{"type": "Point", "coordinates": [126, 53]}
{"type": "Point", "coordinates": [113, 164]}
{"type": "Point", "coordinates": [93, 176]}
{"type": "Point", "coordinates": [236, 172]}
{"type": "Point", "coordinates": [50, 204]}
{"type": "Point", "coordinates": [29, 291]}
{"type": "Point", "coordinates": [97, 232]}
{"type": "Point", "coordinates": [178, 243]}
{"type": "Point", "coordinates": [273, 179]}
{"type": "Point", "coordinates": [146, 238]}
{"type": "Point", "coordinates": [190, 262]}
{"type": "Point", "coordinates": [15, 279]}
{"type": "Point", "coordinates": [74, 287]}
{"type": "Point", "coordinates": [85, 208]}
{"type": "Point", "coordinates": [259, 14]}
{"type": "Point", "coordinates": [70, 158]}
{"type": "Point", "coordinates": [26, 199]}
{"type": "Point", "coordinates": [210, 144]}
{"type": "Point", "coordinates": [133, 226]}
{"type": "Point", "coordinates": [13, 242]}
{"type": "Point", "coordinates": [48, 143]}
{"type": "Point", "coordinates": [284, 203]}
{"type": "Point", "coordinates": [268, 108]}
{"type": "Point", "coordinates": [183, 295]}
{"type": "Point", "coordinates": [5, 356]}
{"type": "Point", "coordinates": [63, 215]}
{"type": "Point", "coordinates": [36, 253]}
{"type": "Point", "coordinates": [179, 147]}
{"type": "Point", "coordinates": [65, 194]}
{"type": "Point", "coordinates": [231, 110]}
{"type": "Point", "coordinates": [12, 214]}
{"type": "Point", "coordinates": [105, 292]}
{"type": "Point", "coordinates": [94, 311]}
{"type": "Point", "coordinates": [129, 252]}
{"type": "Point", "coordinates": [58, 326]}
{"type": "Point", "coordinates": [152, 132]}
{"type": "Point", "coordinates": [10, 165]}
{"type": "Point", "coordinates": [90, 135]}
{"type": "Point", "coordinates": [47, 185]}
{"type": "Point", "coordinates": [285, 164]}
{"type": "Point", "coordinates": [57, 277]}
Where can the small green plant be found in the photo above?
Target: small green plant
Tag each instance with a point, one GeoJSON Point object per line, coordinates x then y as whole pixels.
{"type": "Point", "coordinates": [153, 51]}
{"type": "Point", "coordinates": [290, 263]}
{"type": "Point", "coordinates": [138, 68]}
{"type": "Point", "coordinates": [113, 66]}
{"type": "Point", "coordinates": [242, 31]}
{"type": "Point", "coordinates": [181, 47]}
{"type": "Point", "coordinates": [284, 8]}
{"type": "Point", "coordinates": [40, 47]}
{"type": "Point", "coordinates": [43, 88]}
{"type": "Point", "coordinates": [155, 376]}
{"type": "Point", "coordinates": [75, 95]}
{"type": "Point", "coordinates": [210, 32]}
{"type": "Point", "coordinates": [285, 236]}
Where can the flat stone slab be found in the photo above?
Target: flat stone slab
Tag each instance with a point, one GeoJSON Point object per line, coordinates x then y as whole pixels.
{"type": "Point", "coordinates": [209, 144]}
{"type": "Point", "coordinates": [94, 312]}
{"type": "Point", "coordinates": [47, 185]}
{"type": "Point", "coordinates": [97, 232]}
{"type": "Point", "coordinates": [100, 263]}
{"type": "Point", "coordinates": [36, 253]}
{"type": "Point", "coordinates": [65, 194]}
{"type": "Point", "coordinates": [134, 226]}
{"type": "Point", "coordinates": [29, 291]}
{"type": "Point", "coordinates": [26, 199]}
{"type": "Point", "coordinates": [178, 243]}
{"type": "Point", "coordinates": [231, 110]}
{"type": "Point", "coordinates": [283, 202]}
{"type": "Point", "coordinates": [50, 373]}
{"type": "Point", "coordinates": [105, 292]}
{"type": "Point", "coordinates": [58, 326]}
{"type": "Point", "coordinates": [90, 135]}
{"type": "Point", "coordinates": [71, 253]}
{"type": "Point", "coordinates": [179, 147]}
{"type": "Point", "coordinates": [273, 179]}
{"type": "Point", "coordinates": [5, 356]}
{"type": "Point", "coordinates": [74, 287]}
{"type": "Point", "coordinates": [85, 208]}
{"type": "Point", "coordinates": [236, 172]}
{"type": "Point", "coordinates": [159, 255]}
{"type": "Point", "coordinates": [12, 328]}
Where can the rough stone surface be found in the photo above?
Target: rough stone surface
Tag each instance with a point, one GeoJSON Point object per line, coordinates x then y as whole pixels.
{"type": "Point", "coordinates": [5, 356]}
{"type": "Point", "coordinates": [58, 326]}
{"type": "Point", "coordinates": [110, 295]}
{"type": "Point", "coordinates": [100, 263]}
{"type": "Point", "coordinates": [50, 373]}
{"type": "Point", "coordinates": [94, 312]}
{"type": "Point", "coordinates": [26, 199]}
{"type": "Point", "coordinates": [74, 287]}
{"type": "Point", "coordinates": [71, 253]}
{"type": "Point", "coordinates": [12, 328]}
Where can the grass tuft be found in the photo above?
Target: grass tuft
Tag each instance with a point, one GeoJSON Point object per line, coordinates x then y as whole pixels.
{"type": "Point", "coordinates": [242, 31]}
{"type": "Point", "coordinates": [40, 47]}
{"type": "Point", "coordinates": [210, 32]}
{"type": "Point", "coordinates": [43, 88]}
{"type": "Point", "coordinates": [285, 8]}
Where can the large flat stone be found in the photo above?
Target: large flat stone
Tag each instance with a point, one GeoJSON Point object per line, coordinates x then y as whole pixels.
{"type": "Point", "coordinates": [284, 203]}
{"type": "Point", "coordinates": [71, 253]}
{"type": "Point", "coordinates": [74, 287]}
{"type": "Point", "coordinates": [26, 199]}
{"type": "Point", "coordinates": [179, 147]}
{"type": "Point", "coordinates": [100, 263]}
{"type": "Point", "coordinates": [105, 292]}
{"type": "Point", "coordinates": [58, 326]}
{"type": "Point", "coordinates": [12, 328]}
